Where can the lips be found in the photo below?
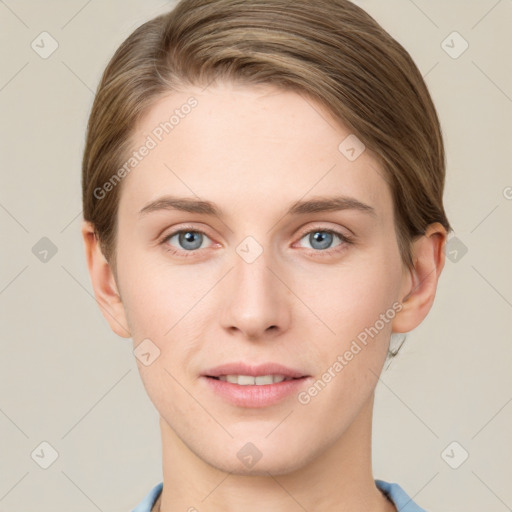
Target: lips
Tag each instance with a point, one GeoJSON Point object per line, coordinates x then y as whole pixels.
{"type": "Point", "coordinates": [262, 385]}
{"type": "Point", "coordinates": [240, 368]}
{"type": "Point", "coordinates": [244, 385]}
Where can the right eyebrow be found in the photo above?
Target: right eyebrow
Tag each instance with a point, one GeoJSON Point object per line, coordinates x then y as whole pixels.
{"type": "Point", "coordinates": [331, 203]}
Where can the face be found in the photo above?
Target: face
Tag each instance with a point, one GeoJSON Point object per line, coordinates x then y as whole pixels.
{"type": "Point", "coordinates": [250, 266]}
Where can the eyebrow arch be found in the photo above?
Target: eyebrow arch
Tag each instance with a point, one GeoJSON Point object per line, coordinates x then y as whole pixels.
{"type": "Point", "coordinates": [320, 204]}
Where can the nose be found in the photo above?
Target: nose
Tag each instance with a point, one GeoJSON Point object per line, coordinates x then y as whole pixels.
{"type": "Point", "coordinates": [257, 301]}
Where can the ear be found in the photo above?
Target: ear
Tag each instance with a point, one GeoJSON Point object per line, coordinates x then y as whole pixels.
{"type": "Point", "coordinates": [103, 283]}
{"type": "Point", "coordinates": [420, 282]}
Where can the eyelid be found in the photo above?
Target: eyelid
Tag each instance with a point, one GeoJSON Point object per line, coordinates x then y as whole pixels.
{"type": "Point", "coordinates": [184, 229]}
{"type": "Point", "coordinates": [336, 231]}
{"type": "Point", "coordinates": [178, 228]}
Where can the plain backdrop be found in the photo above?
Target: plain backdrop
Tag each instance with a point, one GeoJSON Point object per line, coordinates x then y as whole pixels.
{"type": "Point", "coordinates": [443, 413]}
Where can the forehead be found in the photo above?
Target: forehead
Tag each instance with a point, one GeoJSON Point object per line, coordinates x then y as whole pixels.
{"type": "Point", "coordinates": [249, 147]}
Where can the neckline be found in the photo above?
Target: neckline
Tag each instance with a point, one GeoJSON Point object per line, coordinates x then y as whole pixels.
{"type": "Point", "coordinates": [156, 504]}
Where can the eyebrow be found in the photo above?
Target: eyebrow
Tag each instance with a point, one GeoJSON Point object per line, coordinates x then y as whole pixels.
{"type": "Point", "coordinates": [320, 204]}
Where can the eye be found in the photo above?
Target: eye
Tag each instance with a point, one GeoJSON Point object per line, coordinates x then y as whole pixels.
{"type": "Point", "coordinates": [322, 240]}
{"type": "Point", "coordinates": [185, 240]}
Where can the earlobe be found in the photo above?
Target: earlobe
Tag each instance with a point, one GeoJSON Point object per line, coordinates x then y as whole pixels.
{"type": "Point", "coordinates": [421, 281]}
{"type": "Point", "coordinates": [104, 284]}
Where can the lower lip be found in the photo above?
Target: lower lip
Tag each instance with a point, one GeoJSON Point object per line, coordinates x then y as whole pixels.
{"type": "Point", "coordinates": [255, 395]}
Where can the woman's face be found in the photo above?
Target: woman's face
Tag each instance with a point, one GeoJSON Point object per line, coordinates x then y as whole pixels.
{"type": "Point", "coordinates": [255, 283]}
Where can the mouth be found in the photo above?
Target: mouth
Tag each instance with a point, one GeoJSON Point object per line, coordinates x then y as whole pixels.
{"type": "Point", "coordinates": [250, 380]}
{"type": "Point", "coordinates": [246, 374]}
{"type": "Point", "coordinates": [263, 385]}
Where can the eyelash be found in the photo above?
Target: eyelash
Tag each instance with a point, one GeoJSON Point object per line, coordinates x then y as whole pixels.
{"type": "Point", "coordinates": [346, 240]}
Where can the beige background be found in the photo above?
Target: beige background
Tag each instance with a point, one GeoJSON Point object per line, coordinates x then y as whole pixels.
{"type": "Point", "coordinates": [67, 380]}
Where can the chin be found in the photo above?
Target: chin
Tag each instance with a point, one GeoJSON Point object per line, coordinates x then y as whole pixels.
{"type": "Point", "coordinates": [265, 461]}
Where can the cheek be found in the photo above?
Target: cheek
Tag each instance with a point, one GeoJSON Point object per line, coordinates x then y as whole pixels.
{"type": "Point", "coordinates": [358, 305]}
{"type": "Point", "coordinates": [163, 300]}
{"type": "Point", "coordinates": [359, 309]}
{"type": "Point", "coordinates": [353, 297]}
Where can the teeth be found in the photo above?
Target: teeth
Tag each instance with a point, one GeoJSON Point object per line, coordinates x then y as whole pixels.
{"type": "Point", "coordinates": [247, 380]}
{"type": "Point", "coordinates": [264, 379]}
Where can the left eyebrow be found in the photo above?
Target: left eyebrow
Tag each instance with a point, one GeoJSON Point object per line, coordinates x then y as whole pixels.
{"type": "Point", "coordinates": [321, 204]}
{"type": "Point", "coordinates": [183, 204]}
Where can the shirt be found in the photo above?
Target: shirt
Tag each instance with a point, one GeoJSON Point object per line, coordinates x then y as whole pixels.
{"type": "Point", "coordinates": [397, 495]}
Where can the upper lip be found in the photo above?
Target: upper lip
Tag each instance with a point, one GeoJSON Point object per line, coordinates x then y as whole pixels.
{"type": "Point", "coordinates": [240, 368]}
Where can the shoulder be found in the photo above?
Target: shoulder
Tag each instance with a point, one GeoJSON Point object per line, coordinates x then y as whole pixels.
{"type": "Point", "coordinates": [149, 500]}
{"type": "Point", "coordinates": [399, 497]}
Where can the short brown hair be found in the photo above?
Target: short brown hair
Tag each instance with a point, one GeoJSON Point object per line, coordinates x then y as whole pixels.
{"type": "Point", "coordinates": [330, 50]}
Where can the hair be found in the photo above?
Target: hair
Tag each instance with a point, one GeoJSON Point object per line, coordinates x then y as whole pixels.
{"type": "Point", "coordinates": [330, 50]}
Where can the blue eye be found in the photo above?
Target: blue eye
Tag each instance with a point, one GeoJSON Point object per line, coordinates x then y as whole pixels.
{"type": "Point", "coordinates": [322, 239]}
{"type": "Point", "coordinates": [188, 240]}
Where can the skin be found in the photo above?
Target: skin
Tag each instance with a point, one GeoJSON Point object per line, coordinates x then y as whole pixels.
{"type": "Point", "coordinates": [254, 151]}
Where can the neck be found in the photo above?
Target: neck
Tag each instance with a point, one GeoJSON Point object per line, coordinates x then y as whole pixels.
{"type": "Point", "coordinates": [338, 478]}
